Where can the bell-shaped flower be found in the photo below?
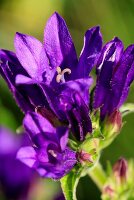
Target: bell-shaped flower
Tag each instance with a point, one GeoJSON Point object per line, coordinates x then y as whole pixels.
{"type": "Point", "coordinates": [49, 155]}
{"type": "Point", "coordinates": [115, 73]}
{"type": "Point", "coordinates": [37, 72]}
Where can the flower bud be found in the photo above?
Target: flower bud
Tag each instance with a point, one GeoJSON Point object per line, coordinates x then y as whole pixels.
{"type": "Point", "coordinates": [108, 191]}
{"type": "Point", "coordinates": [88, 151]}
{"type": "Point", "coordinates": [115, 119]}
{"type": "Point", "coordinates": [111, 127]}
{"type": "Point", "coordinates": [119, 184]}
{"type": "Point", "coordinates": [120, 170]}
{"type": "Point", "coordinates": [84, 157]}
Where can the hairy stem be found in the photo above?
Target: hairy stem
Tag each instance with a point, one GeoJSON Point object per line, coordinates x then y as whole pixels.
{"type": "Point", "coordinates": [98, 175]}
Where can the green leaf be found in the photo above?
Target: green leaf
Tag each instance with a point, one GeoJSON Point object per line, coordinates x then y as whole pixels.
{"type": "Point", "coordinates": [69, 184]}
{"type": "Point", "coordinates": [127, 109]}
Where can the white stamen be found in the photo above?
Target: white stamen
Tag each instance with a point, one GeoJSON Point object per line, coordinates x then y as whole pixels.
{"type": "Point", "coordinates": [60, 76]}
{"type": "Point", "coordinates": [58, 70]}
{"type": "Point", "coordinates": [52, 153]}
{"type": "Point", "coordinates": [66, 70]}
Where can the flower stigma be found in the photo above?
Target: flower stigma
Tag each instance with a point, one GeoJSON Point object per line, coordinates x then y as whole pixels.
{"type": "Point", "coordinates": [52, 153]}
{"type": "Point", "coordinates": [60, 76]}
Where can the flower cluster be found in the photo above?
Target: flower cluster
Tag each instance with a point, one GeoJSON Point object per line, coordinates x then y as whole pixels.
{"type": "Point", "coordinates": [51, 85]}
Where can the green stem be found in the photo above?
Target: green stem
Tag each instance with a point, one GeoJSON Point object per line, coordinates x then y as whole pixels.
{"type": "Point", "coordinates": [98, 175]}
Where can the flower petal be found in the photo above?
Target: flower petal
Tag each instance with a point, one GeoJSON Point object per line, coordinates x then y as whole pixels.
{"type": "Point", "coordinates": [9, 68]}
{"type": "Point", "coordinates": [62, 133]}
{"type": "Point", "coordinates": [36, 124]}
{"type": "Point", "coordinates": [21, 79]}
{"type": "Point", "coordinates": [27, 155]}
{"type": "Point", "coordinates": [57, 171]}
{"type": "Point", "coordinates": [108, 60]}
{"type": "Point", "coordinates": [90, 52]}
{"type": "Point", "coordinates": [53, 99]}
{"type": "Point", "coordinates": [122, 78]}
{"type": "Point", "coordinates": [58, 44]}
{"type": "Point", "coordinates": [29, 52]}
{"type": "Point", "coordinates": [77, 113]}
{"type": "Point", "coordinates": [82, 86]}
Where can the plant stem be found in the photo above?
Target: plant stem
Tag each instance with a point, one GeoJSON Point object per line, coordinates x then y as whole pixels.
{"type": "Point", "coordinates": [98, 175]}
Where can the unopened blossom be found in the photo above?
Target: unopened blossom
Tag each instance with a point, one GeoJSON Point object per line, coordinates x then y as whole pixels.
{"type": "Point", "coordinates": [16, 179]}
{"type": "Point", "coordinates": [39, 75]}
{"type": "Point", "coordinates": [49, 154]}
{"type": "Point", "coordinates": [120, 170]}
{"type": "Point", "coordinates": [115, 73]}
{"type": "Point", "coordinates": [119, 182]}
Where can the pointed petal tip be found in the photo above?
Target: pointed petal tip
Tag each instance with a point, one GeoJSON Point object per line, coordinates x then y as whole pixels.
{"type": "Point", "coordinates": [93, 29]}
{"type": "Point", "coordinates": [18, 34]}
{"type": "Point", "coordinates": [17, 37]}
{"type": "Point", "coordinates": [55, 15]}
{"type": "Point", "coordinates": [116, 39]}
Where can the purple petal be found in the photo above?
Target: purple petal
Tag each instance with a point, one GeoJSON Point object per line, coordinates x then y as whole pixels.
{"type": "Point", "coordinates": [111, 52]}
{"type": "Point", "coordinates": [62, 133]}
{"type": "Point", "coordinates": [82, 86]}
{"type": "Point", "coordinates": [27, 96]}
{"type": "Point", "coordinates": [9, 68]}
{"type": "Point", "coordinates": [13, 184]}
{"type": "Point", "coordinates": [58, 44]}
{"type": "Point", "coordinates": [39, 161]}
{"type": "Point", "coordinates": [43, 133]}
{"type": "Point", "coordinates": [52, 96]}
{"type": "Point", "coordinates": [90, 52]}
{"type": "Point", "coordinates": [110, 56]}
{"type": "Point", "coordinates": [21, 79]}
{"type": "Point", "coordinates": [36, 124]}
{"type": "Point", "coordinates": [77, 113]}
{"type": "Point", "coordinates": [27, 155]}
{"type": "Point", "coordinates": [29, 52]}
{"type": "Point", "coordinates": [8, 142]}
{"type": "Point", "coordinates": [122, 78]}
{"type": "Point", "coordinates": [64, 165]}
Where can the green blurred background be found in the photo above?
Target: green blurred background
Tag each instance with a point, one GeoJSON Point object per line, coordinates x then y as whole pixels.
{"type": "Point", "coordinates": [29, 16]}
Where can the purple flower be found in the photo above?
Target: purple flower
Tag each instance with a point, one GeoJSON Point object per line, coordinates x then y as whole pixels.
{"type": "Point", "coordinates": [115, 73]}
{"type": "Point", "coordinates": [49, 155]}
{"type": "Point", "coordinates": [39, 75]}
{"type": "Point", "coordinates": [16, 178]}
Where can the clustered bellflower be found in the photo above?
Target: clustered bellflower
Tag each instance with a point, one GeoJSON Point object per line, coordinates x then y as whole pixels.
{"type": "Point", "coordinates": [50, 155]}
{"type": "Point", "coordinates": [115, 73]}
{"type": "Point", "coordinates": [51, 85]}
{"type": "Point", "coordinates": [16, 179]}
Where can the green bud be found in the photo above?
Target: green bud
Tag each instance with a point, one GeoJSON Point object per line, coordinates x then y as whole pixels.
{"type": "Point", "coordinates": [111, 128]}
{"type": "Point", "coordinates": [88, 152]}
{"type": "Point", "coordinates": [120, 170]}
{"type": "Point", "coordinates": [120, 182]}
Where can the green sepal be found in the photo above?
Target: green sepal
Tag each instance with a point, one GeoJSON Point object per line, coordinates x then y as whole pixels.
{"type": "Point", "coordinates": [127, 109]}
{"type": "Point", "coordinates": [69, 183]}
